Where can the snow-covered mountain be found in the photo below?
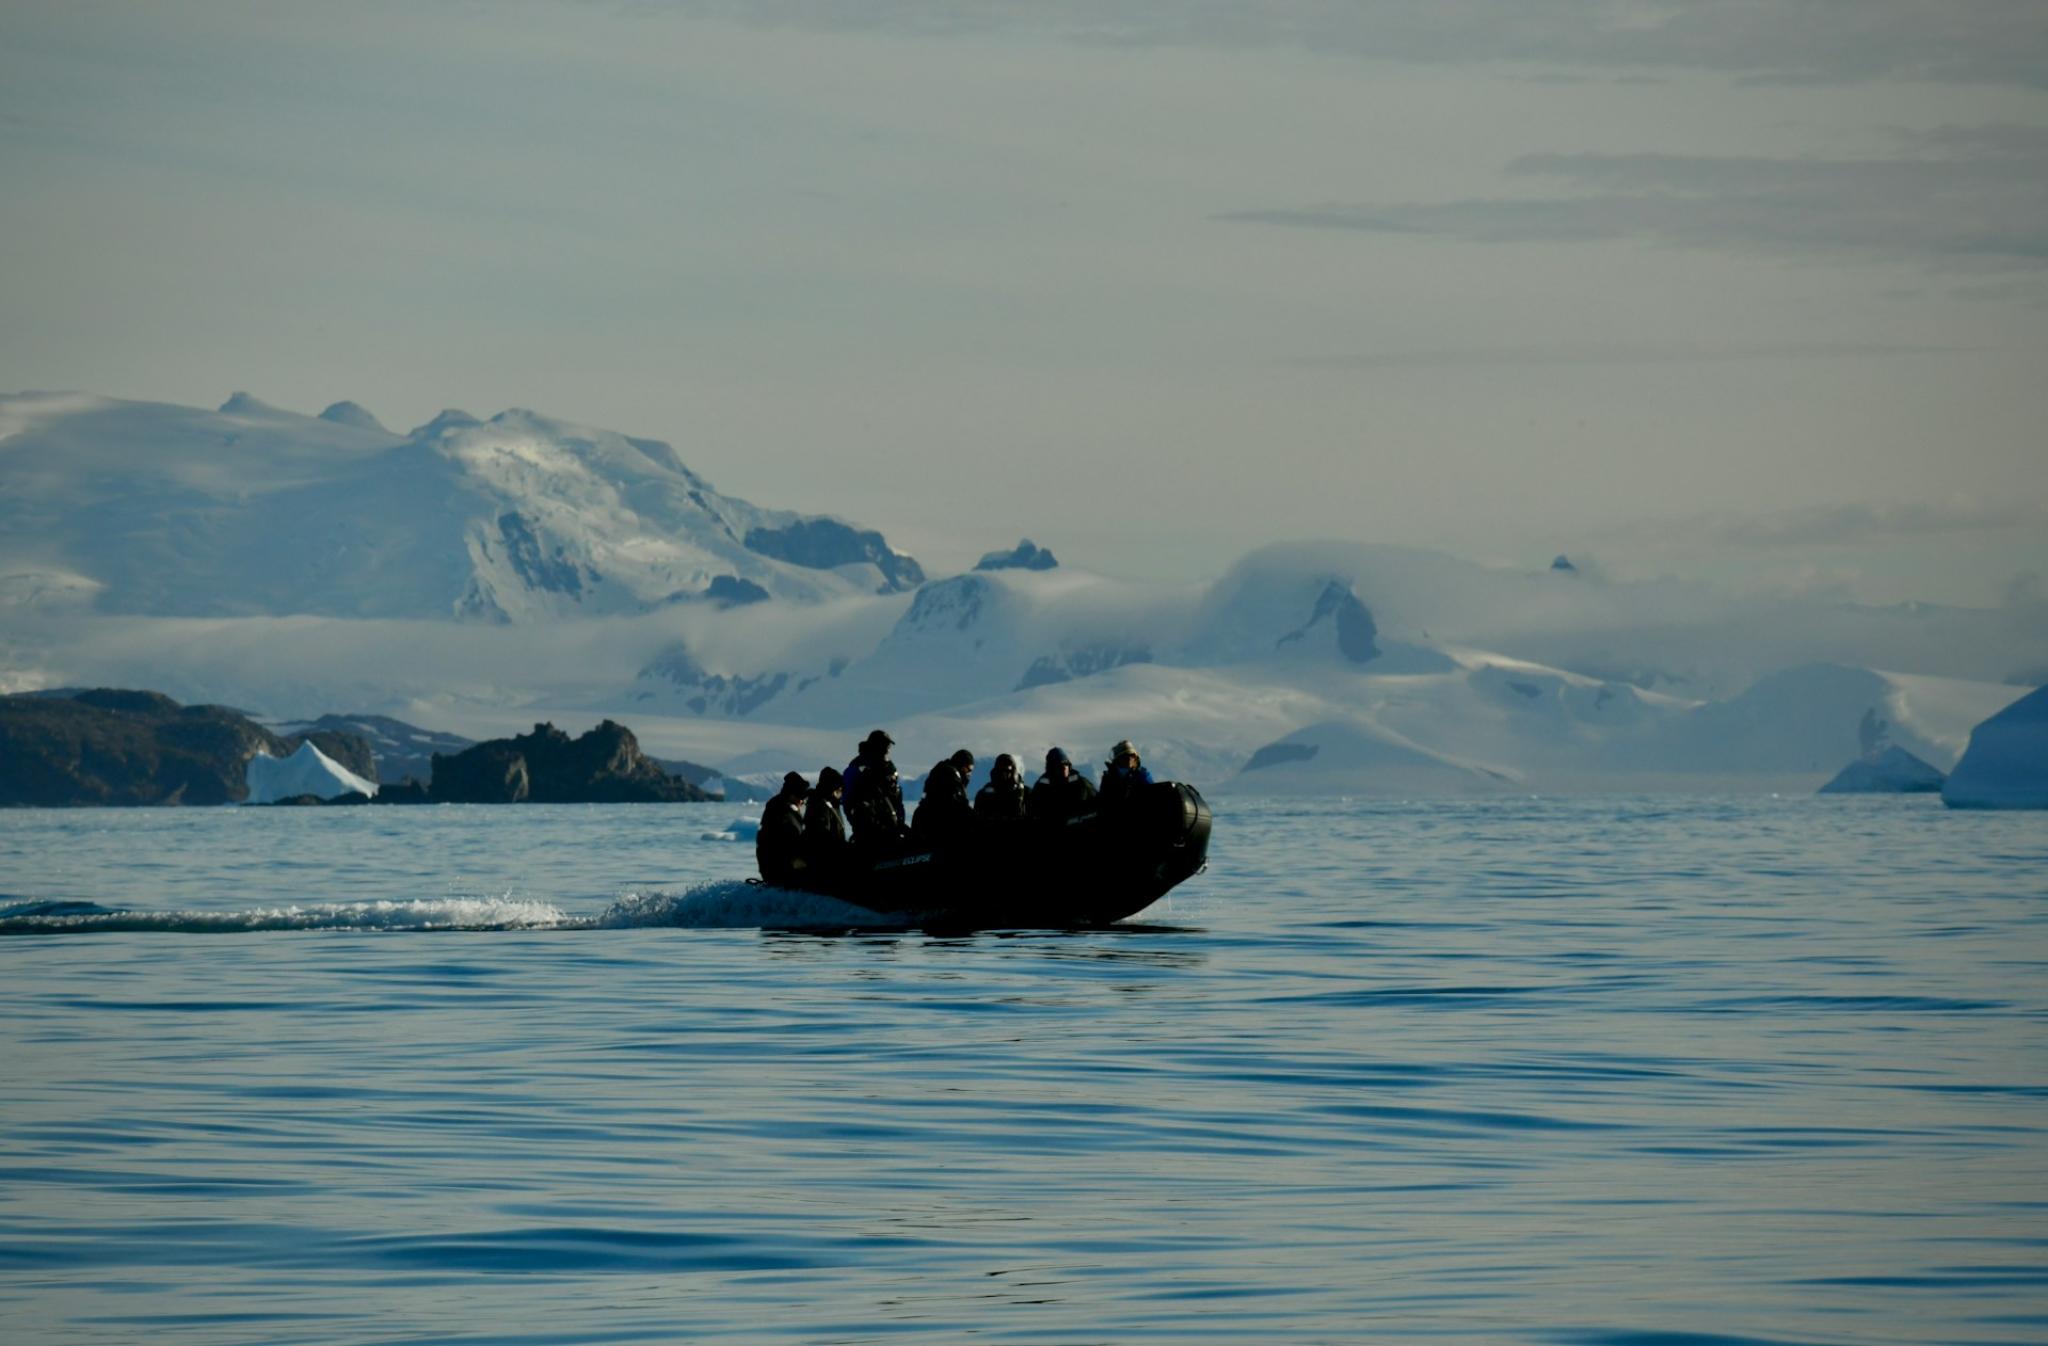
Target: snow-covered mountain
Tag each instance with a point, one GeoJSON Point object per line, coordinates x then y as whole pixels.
{"type": "Point", "coordinates": [148, 508]}
{"type": "Point", "coordinates": [475, 576]}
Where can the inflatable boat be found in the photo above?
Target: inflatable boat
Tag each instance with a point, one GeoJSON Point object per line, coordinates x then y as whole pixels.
{"type": "Point", "coordinates": [1091, 869]}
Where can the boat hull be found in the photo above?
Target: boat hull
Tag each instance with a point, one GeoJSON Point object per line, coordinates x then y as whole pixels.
{"type": "Point", "coordinates": [1098, 867]}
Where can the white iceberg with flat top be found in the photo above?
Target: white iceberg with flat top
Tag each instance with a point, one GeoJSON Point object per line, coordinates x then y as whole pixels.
{"type": "Point", "coordinates": [306, 772]}
{"type": "Point", "coordinates": [2006, 764]}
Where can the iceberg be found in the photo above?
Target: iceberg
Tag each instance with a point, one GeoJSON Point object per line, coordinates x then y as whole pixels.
{"type": "Point", "coordinates": [1354, 757]}
{"type": "Point", "coordinates": [1892, 771]}
{"type": "Point", "coordinates": [306, 772]}
{"type": "Point", "coordinates": [2006, 764]}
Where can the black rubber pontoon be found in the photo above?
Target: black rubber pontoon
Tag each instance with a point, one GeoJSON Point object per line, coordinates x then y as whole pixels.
{"type": "Point", "coordinates": [1098, 867]}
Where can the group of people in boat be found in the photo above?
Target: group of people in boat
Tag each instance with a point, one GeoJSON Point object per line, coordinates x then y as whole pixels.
{"type": "Point", "coordinates": [812, 832]}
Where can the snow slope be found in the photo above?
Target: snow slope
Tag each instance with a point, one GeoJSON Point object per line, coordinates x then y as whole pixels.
{"type": "Point", "coordinates": [173, 511]}
{"type": "Point", "coordinates": [470, 572]}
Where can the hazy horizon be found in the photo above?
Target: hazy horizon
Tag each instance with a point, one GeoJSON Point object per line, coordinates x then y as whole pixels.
{"type": "Point", "coordinates": [1756, 294]}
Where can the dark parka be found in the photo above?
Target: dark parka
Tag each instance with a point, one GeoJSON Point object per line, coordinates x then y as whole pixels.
{"type": "Point", "coordinates": [779, 845]}
{"type": "Point", "coordinates": [944, 813]}
{"type": "Point", "coordinates": [1054, 800]}
{"type": "Point", "coordinates": [874, 810]}
{"type": "Point", "coordinates": [825, 842]}
{"type": "Point", "coordinates": [1001, 802]}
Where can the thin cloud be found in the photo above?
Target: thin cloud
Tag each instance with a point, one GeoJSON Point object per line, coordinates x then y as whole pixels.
{"type": "Point", "coordinates": [1859, 525]}
{"type": "Point", "coordinates": [1770, 41]}
{"type": "Point", "coordinates": [1620, 354]}
{"type": "Point", "coordinates": [1960, 196]}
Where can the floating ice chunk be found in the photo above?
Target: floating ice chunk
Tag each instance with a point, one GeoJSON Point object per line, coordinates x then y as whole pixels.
{"type": "Point", "coordinates": [1893, 771]}
{"type": "Point", "coordinates": [2006, 764]}
{"type": "Point", "coordinates": [306, 772]}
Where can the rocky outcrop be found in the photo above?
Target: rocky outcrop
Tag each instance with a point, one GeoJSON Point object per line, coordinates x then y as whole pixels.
{"type": "Point", "coordinates": [1026, 555]}
{"type": "Point", "coordinates": [708, 693]}
{"type": "Point", "coordinates": [1338, 605]}
{"type": "Point", "coordinates": [1080, 661]}
{"type": "Point", "coordinates": [950, 604]}
{"type": "Point", "coordinates": [111, 746]}
{"type": "Point", "coordinates": [730, 591]}
{"type": "Point", "coordinates": [603, 766]}
{"type": "Point", "coordinates": [827, 544]}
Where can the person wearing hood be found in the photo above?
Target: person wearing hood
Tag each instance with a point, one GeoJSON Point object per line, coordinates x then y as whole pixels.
{"type": "Point", "coordinates": [825, 826]}
{"type": "Point", "coordinates": [1061, 792]}
{"type": "Point", "coordinates": [779, 845]}
{"type": "Point", "coordinates": [944, 815]}
{"type": "Point", "coordinates": [1002, 800]}
{"type": "Point", "coordinates": [1122, 774]}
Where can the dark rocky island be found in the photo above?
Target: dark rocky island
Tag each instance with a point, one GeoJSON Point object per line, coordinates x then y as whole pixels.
{"type": "Point", "coordinates": [113, 747]}
{"type": "Point", "coordinates": [603, 766]}
{"type": "Point", "coordinates": [109, 746]}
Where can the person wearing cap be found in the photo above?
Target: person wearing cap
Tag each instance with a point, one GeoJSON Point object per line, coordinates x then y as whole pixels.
{"type": "Point", "coordinates": [825, 827]}
{"type": "Point", "coordinates": [867, 771]}
{"type": "Point", "coordinates": [1122, 774]}
{"type": "Point", "coordinates": [779, 845]}
{"type": "Point", "coordinates": [1061, 792]}
{"type": "Point", "coordinates": [944, 814]}
{"type": "Point", "coordinates": [1002, 800]}
{"type": "Point", "coordinates": [876, 813]}
{"type": "Point", "coordinates": [873, 751]}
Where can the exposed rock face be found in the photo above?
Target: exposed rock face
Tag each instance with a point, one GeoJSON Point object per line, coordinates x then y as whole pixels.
{"type": "Point", "coordinates": [1081, 662]}
{"type": "Point", "coordinates": [730, 591]}
{"type": "Point", "coordinates": [1026, 555]}
{"type": "Point", "coordinates": [827, 544]}
{"type": "Point", "coordinates": [1356, 630]}
{"type": "Point", "coordinates": [118, 747]}
{"type": "Point", "coordinates": [543, 568]}
{"type": "Point", "coordinates": [407, 791]}
{"type": "Point", "coordinates": [713, 693]}
{"type": "Point", "coordinates": [604, 766]}
{"type": "Point", "coordinates": [956, 603]}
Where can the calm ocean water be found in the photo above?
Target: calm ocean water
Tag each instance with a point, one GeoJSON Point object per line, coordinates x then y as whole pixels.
{"type": "Point", "coordinates": [1597, 1070]}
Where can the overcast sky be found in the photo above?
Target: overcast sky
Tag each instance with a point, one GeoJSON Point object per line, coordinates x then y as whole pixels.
{"type": "Point", "coordinates": [1753, 289]}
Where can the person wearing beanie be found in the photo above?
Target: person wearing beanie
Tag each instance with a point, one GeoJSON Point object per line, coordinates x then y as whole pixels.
{"type": "Point", "coordinates": [944, 815]}
{"type": "Point", "coordinates": [825, 828]}
{"type": "Point", "coordinates": [1061, 792]}
{"type": "Point", "coordinates": [1002, 800]}
{"type": "Point", "coordinates": [779, 845]}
